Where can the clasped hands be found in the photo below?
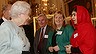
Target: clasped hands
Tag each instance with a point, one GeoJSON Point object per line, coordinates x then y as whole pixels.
{"type": "Point", "coordinates": [68, 48]}
{"type": "Point", "coordinates": [56, 48]}
{"type": "Point", "coordinates": [51, 49]}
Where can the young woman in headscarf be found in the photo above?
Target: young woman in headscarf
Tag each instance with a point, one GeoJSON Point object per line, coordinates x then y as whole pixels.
{"type": "Point", "coordinates": [83, 40]}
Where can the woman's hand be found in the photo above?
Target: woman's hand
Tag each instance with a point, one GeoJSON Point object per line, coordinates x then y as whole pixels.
{"type": "Point", "coordinates": [56, 48]}
{"type": "Point", "coordinates": [50, 49]}
{"type": "Point", "coordinates": [68, 48]}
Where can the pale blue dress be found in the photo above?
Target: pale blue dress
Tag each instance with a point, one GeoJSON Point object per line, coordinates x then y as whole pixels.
{"type": "Point", "coordinates": [12, 39]}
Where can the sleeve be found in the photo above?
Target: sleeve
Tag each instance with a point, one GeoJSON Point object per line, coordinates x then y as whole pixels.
{"type": "Point", "coordinates": [5, 41]}
{"type": "Point", "coordinates": [35, 43]}
{"type": "Point", "coordinates": [49, 43]}
{"type": "Point", "coordinates": [88, 42]}
{"type": "Point", "coordinates": [75, 50]}
{"type": "Point", "coordinates": [61, 48]}
{"type": "Point", "coordinates": [70, 31]}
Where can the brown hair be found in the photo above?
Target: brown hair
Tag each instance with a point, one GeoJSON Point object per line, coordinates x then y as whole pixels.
{"type": "Point", "coordinates": [57, 12]}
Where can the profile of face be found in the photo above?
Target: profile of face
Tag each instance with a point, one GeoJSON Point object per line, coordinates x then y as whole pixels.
{"type": "Point", "coordinates": [25, 18]}
{"type": "Point", "coordinates": [42, 21]}
{"type": "Point", "coordinates": [74, 17]}
{"type": "Point", "coordinates": [88, 5]}
{"type": "Point", "coordinates": [58, 19]}
{"type": "Point", "coordinates": [20, 12]}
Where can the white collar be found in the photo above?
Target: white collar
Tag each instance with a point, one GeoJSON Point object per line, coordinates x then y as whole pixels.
{"type": "Point", "coordinates": [44, 29]}
{"type": "Point", "coordinates": [4, 19]}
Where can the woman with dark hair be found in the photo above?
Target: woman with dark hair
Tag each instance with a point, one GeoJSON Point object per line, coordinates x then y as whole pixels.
{"type": "Point", "coordinates": [83, 40]}
{"type": "Point", "coordinates": [60, 37]}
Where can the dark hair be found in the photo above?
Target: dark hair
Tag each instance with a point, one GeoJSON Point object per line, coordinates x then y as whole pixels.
{"type": "Point", "coordinates": [74, 9]}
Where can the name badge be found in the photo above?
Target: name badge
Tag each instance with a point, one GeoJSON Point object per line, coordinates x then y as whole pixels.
{"type": "Point", "coordinates": [46, 36]}
{"type": "Point", "coordinates": [75, 35]}
{"type": "Point", "coordinates": [59, 32]}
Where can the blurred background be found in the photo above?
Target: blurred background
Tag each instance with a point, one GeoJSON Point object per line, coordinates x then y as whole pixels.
{"type": "Point", "coordinates": [50, 6]}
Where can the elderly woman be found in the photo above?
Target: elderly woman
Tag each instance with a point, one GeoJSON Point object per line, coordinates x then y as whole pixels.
{"type": "Point", "coordinates": [12, 36]}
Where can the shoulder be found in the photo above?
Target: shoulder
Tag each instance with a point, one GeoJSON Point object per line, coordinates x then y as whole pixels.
{"type": "Point", "coordinates": [50, 28]}
{"type": "Point", "coordinates": [5, 29]}
{"type": "Point", "coordinates": [50, 34]}
{"type": "Point", "coordinates": [52, 31]}
{"type": "Point", "coordinates": [37, 31]}
{"type": "Point", "coordinates": [7, 25]}
{"type": "Point", "coordinates": [68, 26]}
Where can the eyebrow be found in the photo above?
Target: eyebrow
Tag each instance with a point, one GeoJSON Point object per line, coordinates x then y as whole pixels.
{"type": "Point", "coordinates": [73, 13]}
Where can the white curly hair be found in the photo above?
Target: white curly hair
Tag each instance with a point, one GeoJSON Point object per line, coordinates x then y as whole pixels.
{"type": "Point", "coordinates": [19, 7]}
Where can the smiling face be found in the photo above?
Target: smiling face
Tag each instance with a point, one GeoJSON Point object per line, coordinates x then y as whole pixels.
{"type": "Point", "coordinates": [58, 19]}
{"type": "Point", "coordinates": [74, 17]}
{"type": "Point", "coordinates": [42, 21]}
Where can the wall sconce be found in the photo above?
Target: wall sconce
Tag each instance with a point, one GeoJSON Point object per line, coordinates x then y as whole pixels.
{"type": "Point", "coordinates": [45, 4]}
{"type": "Point", "coordinates": [45, 0]}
